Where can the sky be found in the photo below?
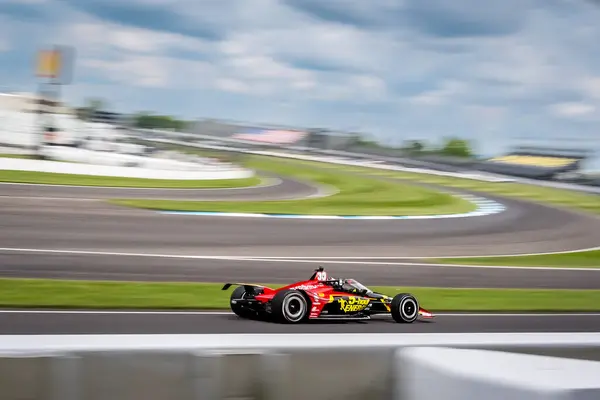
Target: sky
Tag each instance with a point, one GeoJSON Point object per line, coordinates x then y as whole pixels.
{"type": "Point", "coordinates": [497, 72]}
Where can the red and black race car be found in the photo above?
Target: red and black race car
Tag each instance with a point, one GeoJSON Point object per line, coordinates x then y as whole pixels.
{"type": "Point", "coordinates": [321, 298]}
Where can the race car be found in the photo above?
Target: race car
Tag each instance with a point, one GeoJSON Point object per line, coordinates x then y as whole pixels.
{"type": "Point", "coordinates": [321, 298]}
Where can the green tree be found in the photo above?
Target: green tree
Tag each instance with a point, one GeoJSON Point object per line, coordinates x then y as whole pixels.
{"type": "Point", "coordinates": [92, 106]}
{"type": "Point", "coordinates": [455, 147]}
{"type": "Point", "coordinates": [150, 121]}
{"type": "Point", "coordinates": [413, 146]}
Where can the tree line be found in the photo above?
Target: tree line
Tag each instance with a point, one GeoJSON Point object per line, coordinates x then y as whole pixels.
{"type": "Point", "coordinates": [450, 146]}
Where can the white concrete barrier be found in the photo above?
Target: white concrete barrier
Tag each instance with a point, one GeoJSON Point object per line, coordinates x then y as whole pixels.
{"type": "Point", "coordinates": [179, 342]}
{"type": "Point", "coordinates": [207, 173]}
{"type": "Point", "coordinates": [427, 373]}
{"type": "Point", "coordinates": [71, 154]}
{"type": "Point", "coordinates": [275, 366]}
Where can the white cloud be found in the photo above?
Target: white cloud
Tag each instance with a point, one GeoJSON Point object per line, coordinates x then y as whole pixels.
{"type": "Point", "coordinates": [448, 91]}
{"type": "Point", "coordinates": [232, 85]}
{"type": "Point", "coordinates": [143, 71]}
{"type": "Point", "coordinates": [4, 45]}
{"type": "Point", "coordinates": [572, 109]}
{"type": "Point", "coordinates": [26, 2]}
{"type": "Point", "coordinates": [98, 36]}
{"type": "Point", "coordinates": [591, 87]}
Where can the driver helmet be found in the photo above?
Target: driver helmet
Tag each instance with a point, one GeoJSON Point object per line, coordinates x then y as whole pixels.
{"type": "Point", "coordinates": [349, 285]}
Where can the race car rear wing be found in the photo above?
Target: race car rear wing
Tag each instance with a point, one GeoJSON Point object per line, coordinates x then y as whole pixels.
{"type": "Point", "coordinates": [248, 287]}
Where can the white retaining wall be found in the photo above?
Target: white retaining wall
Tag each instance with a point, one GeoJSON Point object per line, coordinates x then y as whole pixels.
{"type": "Point", "coordinates": [200, 173]}
{"type": "Point", "coordinates": [428, 373]}
{"type": "Point", "coordinates": [119, 159]}
{"type": "Point", "coordinates": [296, 366]}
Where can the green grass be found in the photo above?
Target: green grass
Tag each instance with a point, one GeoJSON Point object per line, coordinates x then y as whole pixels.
{"type": "Point", "coordinates": [559, 197]}
{"type": "Point", "coordinates": [10, 155]}
{"type": "Point", "coordinates": [129, 295]}
{"type": "Point", "coordinates": [573, 260]}
{"type": "Point", "coordinates": [92, 180]}
{"type": "Point", "coordinates": [357, 196]}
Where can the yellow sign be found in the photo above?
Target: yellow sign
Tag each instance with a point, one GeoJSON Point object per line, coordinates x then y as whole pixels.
{"type": "Point", "coordinates": [49, 63]}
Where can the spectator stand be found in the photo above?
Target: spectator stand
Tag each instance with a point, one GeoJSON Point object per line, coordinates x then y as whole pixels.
{"type": "Point", "coordinates": [536, 162]}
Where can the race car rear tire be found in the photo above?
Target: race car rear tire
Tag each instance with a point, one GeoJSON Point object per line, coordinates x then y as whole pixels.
{"type": "Point", "coordinates": [237, 308]}
{"type": "Point", "coordinates": [290, 307]}
{"type": "Point", "coordinates": [405, 308]}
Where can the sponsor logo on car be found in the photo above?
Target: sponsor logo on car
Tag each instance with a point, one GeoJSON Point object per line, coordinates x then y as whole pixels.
{"type": "Point", "coordinates": [353, 304]}
{"type": "Point", "coordinates": [306, 287]}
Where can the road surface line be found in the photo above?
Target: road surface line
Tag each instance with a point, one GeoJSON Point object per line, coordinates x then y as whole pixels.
{"type": "Point", "coordinates": [304, 260]}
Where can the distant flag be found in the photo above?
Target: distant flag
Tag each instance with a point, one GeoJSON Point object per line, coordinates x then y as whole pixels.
{"type": "Point", "coordinates": [272, 136]}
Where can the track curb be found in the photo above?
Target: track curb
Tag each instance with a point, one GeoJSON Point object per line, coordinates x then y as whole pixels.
{"type": "Point", "coordinates": [485, 207]}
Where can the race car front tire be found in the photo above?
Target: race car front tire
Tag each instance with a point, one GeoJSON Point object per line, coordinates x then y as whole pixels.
{"type": "Point", "coordinates": [238, 309]}
{"type": "Point", "coordinates": [290, 307]}
{"type": "Point", "coordinates": [405, 308]}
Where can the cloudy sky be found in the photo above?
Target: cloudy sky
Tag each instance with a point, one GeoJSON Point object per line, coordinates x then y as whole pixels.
{"type": "Point", "coordinates": [492, 71]}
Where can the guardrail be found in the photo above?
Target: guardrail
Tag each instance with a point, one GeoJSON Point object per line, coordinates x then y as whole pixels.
{"type": "Point", "coordinates": [474, 175]}
{"type": "Point", "coordinates": [299, 366]}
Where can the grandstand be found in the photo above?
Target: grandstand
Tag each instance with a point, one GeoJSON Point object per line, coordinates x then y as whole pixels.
{"type": "Point", "coordinates": [108, 118]}
{"type": "Point", "coordinates": [29, 120]}
{"type": "Point", "coordinates": [536, 162]}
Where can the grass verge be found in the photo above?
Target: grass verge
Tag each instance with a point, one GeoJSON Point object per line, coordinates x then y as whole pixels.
{"type": "Point", "coordinates": [586, 259]}
{"type": "Point", "coordinates": [133, 295]}
{"type": "Point", "coordinates": [357, 196]}
{"type": "Point", "coordinates": [559, 197]}
{"type": "Point", "coordinates": [49, 178]}
{"type": "Point", "coordinates": [11, 155]}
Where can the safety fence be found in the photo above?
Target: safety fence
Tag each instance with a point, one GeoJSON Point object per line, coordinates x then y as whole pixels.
{"type": "Point", "coordinates": [338, 160]}
{"type": "Point", "coordinates": [300, 366]}
{"type": "Point", "coordinates": [364, 161]}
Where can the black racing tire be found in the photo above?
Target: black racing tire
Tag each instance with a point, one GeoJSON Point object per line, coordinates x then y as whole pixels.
{"type": "Point", "coordinates": [405, 308]}
{"type": "Point", "coordinates": [290, 307]}
{"type": "Point", "coordinates": [239, 310]}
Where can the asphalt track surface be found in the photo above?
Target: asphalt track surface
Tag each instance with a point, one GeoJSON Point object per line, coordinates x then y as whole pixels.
{"type": "Point", "coordinates": [396, 273]}
{"type": "Point", "coordinates": [52, 217]}
{"type": "Point", "coordinates": [273, 188]}
{"type": "Point", "coordinates": [83, 322]}
{"type": "Point", "coordinates": [95, 225]}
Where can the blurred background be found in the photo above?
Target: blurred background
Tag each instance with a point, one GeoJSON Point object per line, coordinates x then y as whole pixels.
{"type": "Point", "coordinates": [31, 119]}
{"type": "Point", "coordinates": [511, 88]}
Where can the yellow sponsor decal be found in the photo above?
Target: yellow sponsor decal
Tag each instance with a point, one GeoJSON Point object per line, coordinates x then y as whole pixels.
{"type": "Point", "coordinates": [353, 304]}
{"type": "Point", "coordinates": [386, 305]}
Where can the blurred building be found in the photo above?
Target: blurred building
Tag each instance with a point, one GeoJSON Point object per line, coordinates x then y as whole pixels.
{"type": "Point", "coordinates": [274, 135]}
{"type": "Point", "coordinates": [32, 103]}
